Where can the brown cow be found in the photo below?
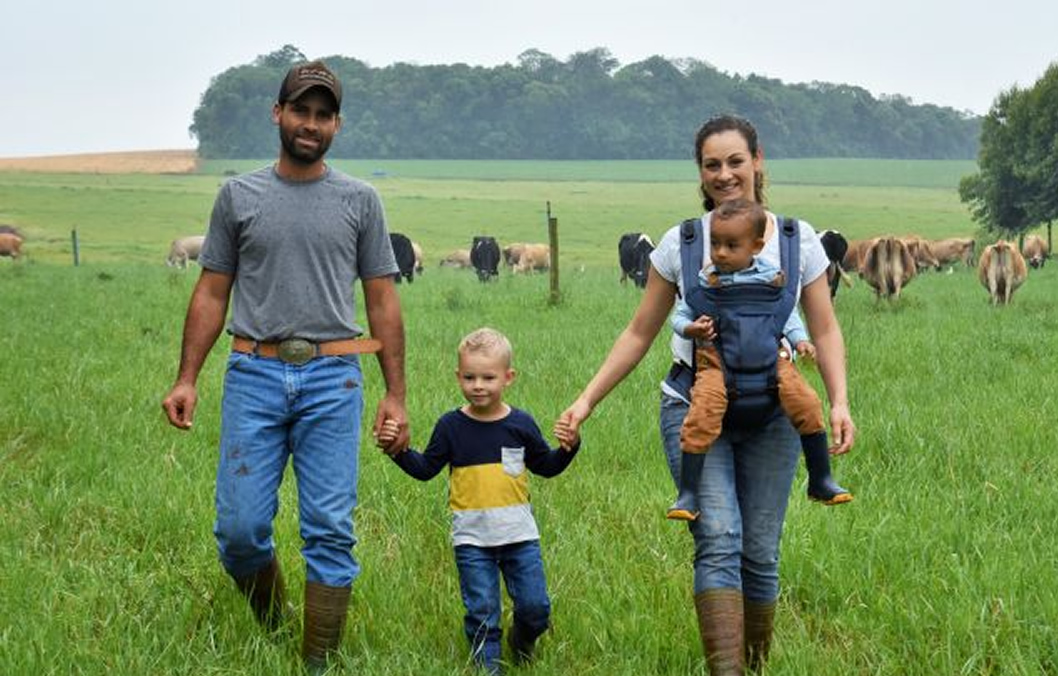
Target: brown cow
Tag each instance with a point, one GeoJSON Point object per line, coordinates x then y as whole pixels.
{"type": "Point", "coordinates": [533, 257]}
{"type": "Point", "coordinates": [1001, 270]}
{"type": "Point", "coordinates": [10, 245]}
{"type": "Point", "coordinates": [512, 253]}
{"type": "Point", "coordinates": [853, 259]}
{"type": "Point", "coordinates": [922, 251]}
{"type": "Point", "coordinates": [949, 251]}
{"type": "Point", "coordinates": [888, 267]}
{"type": "Point", "coordinates": [1034, 249]}
{"type": "Point", "coordinates": [183, 250]}
{"type": "Point", "coordinates": [460, 258]}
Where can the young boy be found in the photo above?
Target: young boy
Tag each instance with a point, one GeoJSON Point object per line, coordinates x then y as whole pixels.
{"type": "Point", "coordinates": [736, 236]}
{"type": "Point", "coordinates": [489, 445]}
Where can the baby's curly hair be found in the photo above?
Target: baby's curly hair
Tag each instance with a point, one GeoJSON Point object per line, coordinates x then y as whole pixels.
{"type": "Point", "coordinates": [487, 341]}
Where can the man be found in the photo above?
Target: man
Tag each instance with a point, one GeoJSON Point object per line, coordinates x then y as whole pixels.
{"type": "Point", "coordinates": [286, 244]}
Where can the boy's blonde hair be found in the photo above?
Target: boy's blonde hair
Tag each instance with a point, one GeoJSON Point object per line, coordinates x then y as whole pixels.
{"type": "Point", "coordinates": [487, 341]}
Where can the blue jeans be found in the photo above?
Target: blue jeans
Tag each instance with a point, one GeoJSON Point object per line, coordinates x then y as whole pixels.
{"type": "Point", "coordinates": [273, 411]}
{"type": "Point", "coordinates": [479, 582]}
{"type": "Point", "coordinates": [742, 493]}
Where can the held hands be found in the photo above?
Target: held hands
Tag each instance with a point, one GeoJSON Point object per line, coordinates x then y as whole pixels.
{"type": "Point", "coordinates": [567, 426]}
{"type": "Point", "coordinates": [386, 435]}
{"type": "Point", "coordinates": [700, 329]}
{"type": "Point", "coordinates": [567, 434]}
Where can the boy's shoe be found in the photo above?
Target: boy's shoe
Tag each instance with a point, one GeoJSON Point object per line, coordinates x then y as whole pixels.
{"type": "Point", "coordinates": [829, 493]}
{"type": "Point", "coordinates": [821, 485]}
{"type": "Point", "coordinates": [680, 513]}
{"type": "Point", "coordinates": [686, 506]}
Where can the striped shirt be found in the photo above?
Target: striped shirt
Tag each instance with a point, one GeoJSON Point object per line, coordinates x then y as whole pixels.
{"type": "Point", "coordinates": [488, 488]}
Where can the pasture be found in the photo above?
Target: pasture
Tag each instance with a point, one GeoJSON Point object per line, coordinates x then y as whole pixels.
{"type": "Point", "coordinates": [943, 564]}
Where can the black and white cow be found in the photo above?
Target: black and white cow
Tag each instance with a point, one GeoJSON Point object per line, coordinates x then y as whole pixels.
{"type": "Point", "coordinates": [405, 255]}
{"type": "Point", "coordinates": [633, 253]}
{"type": "Point", "coordinates": [485, 257]}
{"type": "Point", "coordinates": [836, 247]}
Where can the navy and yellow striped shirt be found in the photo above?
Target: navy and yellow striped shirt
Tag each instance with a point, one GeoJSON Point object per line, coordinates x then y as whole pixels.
{"type": "Point", "coordinates": [488, 488]}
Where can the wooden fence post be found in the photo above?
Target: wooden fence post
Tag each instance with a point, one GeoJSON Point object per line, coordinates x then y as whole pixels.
{"type": "Point", "coordinates": [552, 236]}
{"type": "Point", "coordinates": [76, 247]}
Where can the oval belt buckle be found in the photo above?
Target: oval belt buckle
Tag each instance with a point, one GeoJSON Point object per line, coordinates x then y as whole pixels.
{"type": "Point", "coordinates": [297, 351]}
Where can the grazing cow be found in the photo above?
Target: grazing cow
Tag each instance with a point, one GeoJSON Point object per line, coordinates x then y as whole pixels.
{"type": "Point", "coordinates": [954, 249]}
{"type": "Point", "coordinates": [10, 245]}
{"type": "Point", "coordinates": [1001, 270]}
{"type": "Point", "coordinates": [460, 258]}
{"type": "Point", "coordinates": [485, 257]}
{"type": "Point", "coordinates": [11, 230]}
{"type": "Point", "coordinates": [836, 247]}
{"type": "Point", "coordinates": [633, 254]}
{"type": "Point", "coordinates": [922, 251]}
{"type": "Point", "coordinates": [853, 259]}
{"type": "Point", "coordinates": [418, 257]}
{"type": "Point", "coordinates": [887, 267]}
{"type": "Point", "coordinates": [512, 253]}
{"type": "Point", "coordinates": [533, 257]}
{"type": "Point", "coordinates": [405, 256]}
{"type": "Point", "coordinates": [184, 249]}
{"type": "Point", "coordinates": [1034, 249]}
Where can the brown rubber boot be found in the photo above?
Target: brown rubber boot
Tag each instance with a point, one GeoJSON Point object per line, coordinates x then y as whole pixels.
{"type": "Point", "coordinates": [267, 595]}
{"type": "Point", "coordinates": [325, 610]}
{"type": "Point", "coordinates": [720, 623]}
{"type": "Point", "coordinates": [759, 627]}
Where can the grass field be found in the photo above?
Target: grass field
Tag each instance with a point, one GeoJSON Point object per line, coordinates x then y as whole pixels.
{"type": "Point", "coordinates": [944, 563]}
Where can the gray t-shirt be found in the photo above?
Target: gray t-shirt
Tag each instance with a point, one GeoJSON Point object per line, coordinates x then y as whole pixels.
{"type": "Point", "coordinates": [296, 250]}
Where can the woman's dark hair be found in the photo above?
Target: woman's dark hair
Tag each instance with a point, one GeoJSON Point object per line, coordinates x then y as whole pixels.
{"type": "Point", "coordinates": [719, 124]}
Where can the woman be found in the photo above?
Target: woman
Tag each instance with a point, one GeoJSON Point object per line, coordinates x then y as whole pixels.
{"type": "Point", "coordinates": [748, 474]}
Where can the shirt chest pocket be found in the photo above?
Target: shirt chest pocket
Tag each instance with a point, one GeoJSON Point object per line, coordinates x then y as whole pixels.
{"type": "Point", "coordinates": [513, 460]}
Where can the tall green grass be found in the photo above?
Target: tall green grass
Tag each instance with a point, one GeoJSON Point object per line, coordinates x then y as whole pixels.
{"type": "Point", "coordinates": [944, 563]}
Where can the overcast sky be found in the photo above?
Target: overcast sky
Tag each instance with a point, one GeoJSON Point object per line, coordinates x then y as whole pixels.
{"type": "Point", "coordinates": [115, 75]}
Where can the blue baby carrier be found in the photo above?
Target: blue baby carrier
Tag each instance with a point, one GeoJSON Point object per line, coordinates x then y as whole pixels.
{"type": "Point", "coordinates": [749, 324]}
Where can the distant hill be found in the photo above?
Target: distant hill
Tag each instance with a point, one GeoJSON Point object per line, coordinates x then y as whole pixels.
{"type": "Point", "coordinates": [586, 107]}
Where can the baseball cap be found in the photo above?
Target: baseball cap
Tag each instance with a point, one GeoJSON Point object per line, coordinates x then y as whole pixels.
{"type": "Point", "coordinates": [304, 77]}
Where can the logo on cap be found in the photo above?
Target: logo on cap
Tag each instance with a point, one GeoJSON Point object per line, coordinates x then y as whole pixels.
{"type": "Point", "coordinates": [304, 77]}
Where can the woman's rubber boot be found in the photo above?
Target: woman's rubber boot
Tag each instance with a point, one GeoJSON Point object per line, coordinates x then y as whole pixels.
{"type": "Point", "coordinates": [759, 626]}
{"type": "Point", "coordinates": [325, 611]}
{"type": "Point", "coordinates": [267, 595]}
{"type": "Point", "coordinates": [821, 486]}
{"type": "Point", "coordinates": [686, 506]}
{"type": "Point", "coordinates": [720, 621]}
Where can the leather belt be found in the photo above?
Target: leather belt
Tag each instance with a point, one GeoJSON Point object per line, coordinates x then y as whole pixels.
{"type": "Point", "coordinates": [299, 351]}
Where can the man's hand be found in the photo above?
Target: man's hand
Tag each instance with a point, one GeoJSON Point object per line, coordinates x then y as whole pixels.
{"type": "Point", "coordinates": [179, 406]}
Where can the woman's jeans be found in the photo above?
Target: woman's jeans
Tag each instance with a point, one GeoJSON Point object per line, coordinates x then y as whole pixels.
{"type": "Point", "coordinates": [273, 411]}
{"type": "Point", "coordinates": [479, 582]}
{"type": "Point", "coordinates": [742, 494]}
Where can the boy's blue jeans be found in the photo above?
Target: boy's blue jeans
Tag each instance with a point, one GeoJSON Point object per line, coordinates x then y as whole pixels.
{"type": "Point", "coordinates": [272, 411]}
{"type": "Point", "coordinates": [742, 493]}
{"type": "Point", "coordinates": [522, 568]}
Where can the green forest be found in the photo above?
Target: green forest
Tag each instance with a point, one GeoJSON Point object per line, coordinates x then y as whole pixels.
{"type": "Point", "coordinates": [588, 106]}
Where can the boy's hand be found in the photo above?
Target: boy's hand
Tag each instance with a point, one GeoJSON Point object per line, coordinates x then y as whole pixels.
{"type": "Point", "coordinates": [567, 436]}
{"type": "Point", "coordinates": [387, 434]}
{"type": "Point", "coordinates": [700, 329]}
{"type": "Point", "coordinates": [806, 350]}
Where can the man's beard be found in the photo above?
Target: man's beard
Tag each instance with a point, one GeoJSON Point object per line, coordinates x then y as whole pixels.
{"type": "Point", "coordinates": [302, 155]}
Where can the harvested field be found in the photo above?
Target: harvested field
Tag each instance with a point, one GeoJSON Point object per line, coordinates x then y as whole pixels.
{"type": "Point", "coordinates": [135, 162]}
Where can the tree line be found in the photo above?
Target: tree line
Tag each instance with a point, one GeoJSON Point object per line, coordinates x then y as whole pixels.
{"type": "Point", "coordinates": [1016, 187]}
{"type": "Point", "coordinates": [588, 106]}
